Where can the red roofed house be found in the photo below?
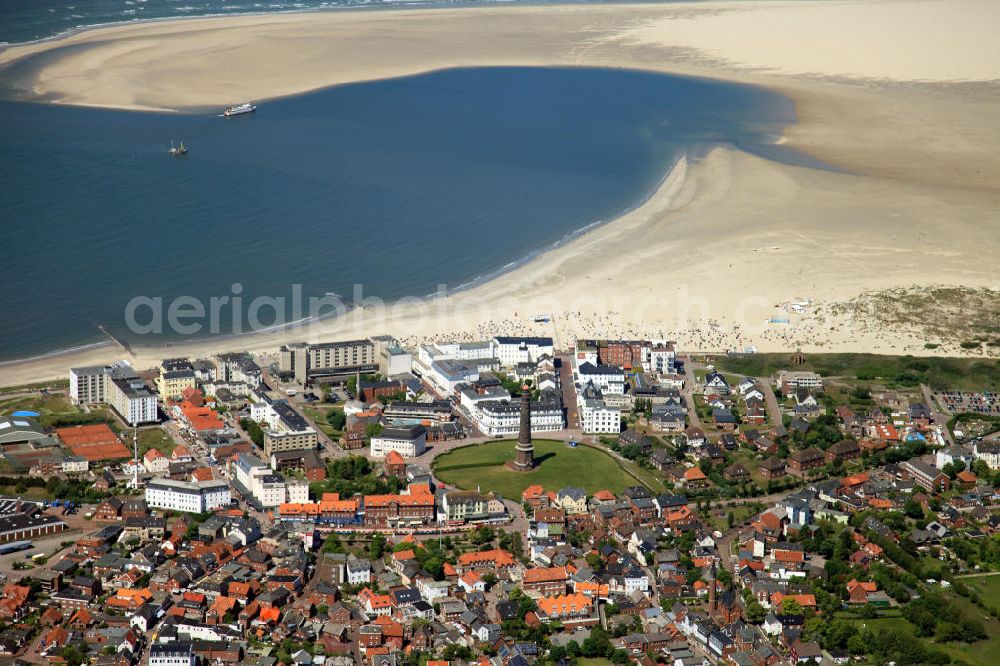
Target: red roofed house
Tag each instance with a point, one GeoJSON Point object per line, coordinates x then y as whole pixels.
{"type": "Point", "coordinates": [155, 462]}
{"type": "Point", "coordinates": [194, 396]}
{"type": "Point", "coordinates": [545, 581]}
{"type": "Point", "coordinates": [695, 478]}
{"type": "Point", "coordinates": [770, 525]}
{"type": "Point", "coordinates": [966, 478]}
{"type": "Point", "coordinates": [487, 559]}
{"type": "Point", "coordinates": [14, 603]}
{"type": "Point", "coordinates": [202, 474]}
{"type": "Point", "coordinates": [375, 604]}
{"type": "Point", "coordinates": [181, 454]}
{"type": "Point", "coordinates": [201, 419]}
{"type": "Point", "coordinates": [472, 581]}
{"type": "Point", "coordinates": [536, 497]}
{"type": "Point", "coordinates": [395, 465]}
{"type": "Point", "coordinates": [858, 591]}
{"type": "Point", "coordinates": [564, 607]}
{"type": "Point", "coordinates": [804, 600]}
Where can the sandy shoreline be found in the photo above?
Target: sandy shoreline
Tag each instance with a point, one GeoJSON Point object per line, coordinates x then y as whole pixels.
{"type": "Point", "coordinates": [724, 239]}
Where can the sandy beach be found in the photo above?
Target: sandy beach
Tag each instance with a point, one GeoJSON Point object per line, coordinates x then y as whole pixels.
{"type": "Point", "coordinates": [902, 98]}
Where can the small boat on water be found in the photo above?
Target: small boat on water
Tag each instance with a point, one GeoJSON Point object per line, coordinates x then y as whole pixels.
{"type": "Point", "coordinates": [240, 109]}
{"type": "Point", "coordinates": [178, 151]}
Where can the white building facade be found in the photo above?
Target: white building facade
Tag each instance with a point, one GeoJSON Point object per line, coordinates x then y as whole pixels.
{"type": "Point", "coordinates": [407, 442]}
{"type": "Point", "coordinates": [497, 417]}
{"type": "Point", "coordinates": [513, 350]}
{"type": "Point", "coordinates": [117, 385]}
{"type": "Point", "coordinates": [188, 496]}
{"type": "Point", "coordinates": [608, 379]}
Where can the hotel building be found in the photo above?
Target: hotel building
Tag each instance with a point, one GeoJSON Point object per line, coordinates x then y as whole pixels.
{"type": "Point", "coordinates": [596, 416]}
{"type": "Point", "coordinates": [508, 351]}
{"type": "Point", "coordinates": [268, 489]}
{"type": "Point", "coordinates": [171, 654]}
{"type": "Point", "coordinates": [239, 368]}
{"type": "Point", "coordinates": [189, 496]}
{"type": "Point", "coordinates": [503, 417]}
{"type": "Point", "coordinates": [309, 361]}
{"type": "Point", "coordinates": [407, 442]}
{"type": "Point", "coordinates": [286, 429]}
{"type": "Point", "coordinates": [116, 385]}
{"type": "Point", "coordinates": [176, 375]}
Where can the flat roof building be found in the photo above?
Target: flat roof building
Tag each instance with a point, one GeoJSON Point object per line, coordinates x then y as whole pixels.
{"type": "Point", "coordinates": [189, 496]}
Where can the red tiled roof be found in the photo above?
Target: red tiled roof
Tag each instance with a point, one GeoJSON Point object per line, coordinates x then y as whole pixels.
{"type": "Point", "coordinates": [562, 604]}
{"type": "Point", "coordinates": [402, 500]}
{"type": "Point", "coordinates": [789, 556]}
{"type": "Point", "coordinates": [694, 474]}
{"type": "Point", "coordinates": [203, 474]}
{"type": "Point", "coordinates": [500, 558]}
{"type": "Point", "coordinates": [533, 492]}
{"type": "Point", "coordinates": [544, 575]}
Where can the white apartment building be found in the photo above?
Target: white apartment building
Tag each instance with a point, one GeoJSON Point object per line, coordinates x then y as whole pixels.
{"type": "Point", "coordinates": [306, 361]}
{"type": "Point", "coordinates": [457, 351]}
{"type": "Point", "coordinates": [116, 385]}
{"type": "Point", "coordinates": [75, 464]}
{"type": "Point", "coordinates": [86, 385]}
{"type": "Point", "coordinates": [988, 452]}
{"type": "Point", "coordinates": [469, 397]}
{"type": "Point", "coordinates": [791, 380]}
{"type": "Point", "coordinates": [501, 417]}
{"type": "Point", "coordinates": [390, 357]}
{"type": "Point", "coordinates": [446, 374]}
{"type": "Point", "coordinates": [248, 466]}
{"type": "Point", "coordinates": [514, 350]}
{"type": "Point", "coordinates": [132, 400]}
{"type": "Point", "coordinates": [358, 571]}
{"type": "Point", "coordinates": [608, 379]}
{"type": "Point", "coordinates": [659, 357]}
{"type": "Point", "coordinates": [407, 442]}
{"type": "Point", "coordinates": [296, 492]}
{"type": "Point", "coordinates": [286, 429]}
{"type": "Point", "coordinates": [239, 368]}
{"type": "Point", "coordinates": [432, 590]}
{"type": "Point", "coordinates": [635, 580]}
{"type": "Point", "coordinates": [171, 654]}
{"type": "Point", "coordinates": [509, 351]}
{"type": "Point", "coordinates": [269, 489]}
{"type": "Point", "coordinates": [596, 416]}
{"type": "Point", "coordinates": [262, 411]}
{"type": "Point", "coordinates": [189, 496]}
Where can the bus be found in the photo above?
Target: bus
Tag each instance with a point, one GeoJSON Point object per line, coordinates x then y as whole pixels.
{"type": "Point", "coordinates": [14, 546]}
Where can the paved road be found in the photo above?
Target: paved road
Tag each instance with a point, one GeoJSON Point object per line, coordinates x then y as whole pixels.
{"type": "Point", "coordinates": [568, 390]}
{"type": "Point", "coordinates": [688, 393]}
{"type": "Point", "coordinates": [771, 405]}
{"type": "Point", "coordinates": [940, 418]}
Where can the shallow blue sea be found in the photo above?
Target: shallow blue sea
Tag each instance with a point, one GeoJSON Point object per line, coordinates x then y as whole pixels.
{"type": "Point", "coordinates": [400, 185]}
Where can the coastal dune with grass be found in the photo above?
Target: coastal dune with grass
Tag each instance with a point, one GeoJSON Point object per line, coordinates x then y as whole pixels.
{"type": "Point", "coordinates": [897, 102]}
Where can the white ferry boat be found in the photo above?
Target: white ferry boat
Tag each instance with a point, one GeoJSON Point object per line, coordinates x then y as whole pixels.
{"type": "Point", "coordinates": [240, 109]}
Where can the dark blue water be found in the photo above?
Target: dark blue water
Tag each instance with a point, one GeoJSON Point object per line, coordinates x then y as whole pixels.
{"type": "Point", "coordinates": [400, 185]}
